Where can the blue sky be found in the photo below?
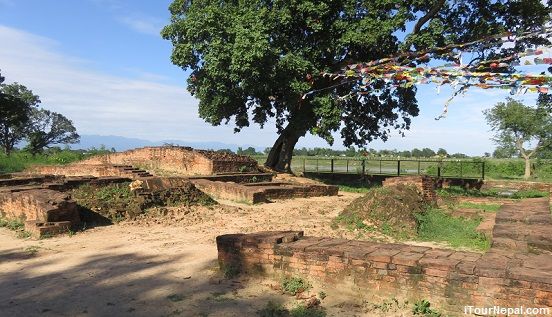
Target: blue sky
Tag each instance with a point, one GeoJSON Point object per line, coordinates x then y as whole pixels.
{"type": "Point", "coordinates": [103, 64]}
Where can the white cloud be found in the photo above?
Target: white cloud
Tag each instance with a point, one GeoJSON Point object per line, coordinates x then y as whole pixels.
{"type": "Point", "coordinates": [142, 24]}
{"type": "Point", "coordinates": [100, 103]}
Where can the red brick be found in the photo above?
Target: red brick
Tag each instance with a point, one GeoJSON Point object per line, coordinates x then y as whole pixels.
{"type": "Point", "coordinates": [407, 258]}
{"type": "Point", "coordinates": [382, 255]}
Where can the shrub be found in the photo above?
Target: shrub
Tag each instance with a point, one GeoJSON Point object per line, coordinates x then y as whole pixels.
{"type": "Point", "coordinates": [294, 285]}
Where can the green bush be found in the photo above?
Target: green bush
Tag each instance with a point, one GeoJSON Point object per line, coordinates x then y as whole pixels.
{"type": "Point", "coordinates": [423, 308]}
{"type": "Point", "coordinates": [293, 285]}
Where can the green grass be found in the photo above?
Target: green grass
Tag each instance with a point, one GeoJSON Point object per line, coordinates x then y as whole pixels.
{"type": "Point", "coordinates": [455, 191]}
{"type": "Point", "coordinates": [300, 310]}
{"type": "Point", "coordinates": [20, 160]}
{"type": "Point", "coordinates": [480, 206]}
{"type": "Point", "coordinates": [436, 225]}
{"type": "Point", "coordinates": [354, 189]}
{"type": "Point", "coordinates": [12, 224]}
{"type": "Point", "coordinates": [423, 308]}
{"type": "Point", "coordinates": [293, 285]}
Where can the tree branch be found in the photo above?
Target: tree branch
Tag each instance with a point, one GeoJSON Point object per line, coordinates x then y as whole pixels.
{"type": "Point", "coordinates": [429, 15]}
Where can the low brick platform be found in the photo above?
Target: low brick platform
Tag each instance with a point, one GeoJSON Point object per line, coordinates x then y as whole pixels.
{"type": "Point", "coordinates": [42, 205]}
{"type": "Point", "coordinates": [425, 184]}
{"type": "Point", "coordinates": [95, 170]}
{"type": "Point", "coordinates": [46, 229]}
{"type": "Point", "coordinates": [254, 193]}
{"type": "Point", "coordinates": [506, 276]}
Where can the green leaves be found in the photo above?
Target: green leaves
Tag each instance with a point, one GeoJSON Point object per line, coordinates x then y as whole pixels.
{"type": "Point", "coordinates": [254, 60]}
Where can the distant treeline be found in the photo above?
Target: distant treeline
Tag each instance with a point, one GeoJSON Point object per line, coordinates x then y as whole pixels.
{"type": "Point", "coordinates": [414, 153]}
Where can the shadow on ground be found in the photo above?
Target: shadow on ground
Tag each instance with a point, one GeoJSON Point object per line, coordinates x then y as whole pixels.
{"type": "Point", "coordinates": [116, 284]}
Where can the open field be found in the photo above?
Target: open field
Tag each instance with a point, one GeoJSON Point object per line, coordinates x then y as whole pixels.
{"type": "Point", "coordinates": [511, 169]}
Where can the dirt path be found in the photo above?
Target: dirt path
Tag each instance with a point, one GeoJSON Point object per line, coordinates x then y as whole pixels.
{"type": "Point", "coordinates": [162, 267]}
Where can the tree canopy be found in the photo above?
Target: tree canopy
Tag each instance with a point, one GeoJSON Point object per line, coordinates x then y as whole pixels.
{"type": "Point", "coordinates": [16, 105]}
{"type": "Point", "coordinates": [519, 126]}
{"type": "Point", "coordinates": [49, 128]}
{"type": "Point", "coordinates": [20, 118]}
{"type": "Point", "coordinates": [253, 61]}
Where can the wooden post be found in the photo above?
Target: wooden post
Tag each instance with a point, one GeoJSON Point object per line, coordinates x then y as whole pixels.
{"type": "Point", "coordinates": [363, 167]}
{"type": "Point", "coordinates": [418, 167]}
{"type": "Point", "coordinates": [347, 165]}
{"type": "Point", "coordinates": [398, 167]}
{"type": "Point", "coordinates": [332, 165]}
{"type": "Point", "coordinates": [483, 170]}
{"type": "Point", "coordinates": [380, 166]}
{"type": "Point", "coordinates": [304, 165]}
{"type": "Point", "coordinates": [461, 171]}
{"type": "Point", "coordinates": [317, 165]}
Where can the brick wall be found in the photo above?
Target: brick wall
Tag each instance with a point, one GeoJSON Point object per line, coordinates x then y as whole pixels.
{"type": "Point", "coordinates": [450, 279]}
{"type": "Point", "coordinates": [96, 170]}
{"type": "Point", "coordinates": [43, 205]}
{"type": "Point", "coordinates": [425, 184]}
{"type": "Point", "coordinates": [181, 160]}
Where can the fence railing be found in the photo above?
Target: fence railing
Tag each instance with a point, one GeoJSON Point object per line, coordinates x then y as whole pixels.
{"type": "Point", "coordinates": [442, 168]}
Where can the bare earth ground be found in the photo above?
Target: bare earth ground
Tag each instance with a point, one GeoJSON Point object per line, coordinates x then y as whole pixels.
{"type": "Point", "coordinates": [165, 266]}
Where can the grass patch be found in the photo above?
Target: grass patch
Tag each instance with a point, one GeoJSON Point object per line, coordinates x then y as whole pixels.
{"type": "Point", "coordinates": [294, 285]}
{"type": "Point", "coordinates": [455, 191]}
{"type": "Point", "coordinates": [423, 308]}
{"type": "Point", "coordinates": [304, 311]}
{"type": "Point", "coordinates": [277, 310]}
{"type": "Point", "coordinates": [20, 160]}
{"type": "Point", "coordinates": [354, 188]}
{"type": "Point", "coordinates": [436, 225]}
{"type": "Point", "coordinates": [12, 224]}
{"type": "Point", "coordinates": [480, 206]}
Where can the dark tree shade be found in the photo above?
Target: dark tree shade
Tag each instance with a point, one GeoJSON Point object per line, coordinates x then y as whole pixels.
{"type": "Point", "coordinates": [253, 60]}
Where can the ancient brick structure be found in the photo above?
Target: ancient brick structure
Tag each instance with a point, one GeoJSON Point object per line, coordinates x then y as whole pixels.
{"type": "Point", "coordinates": [259, 192]}
{"type": "Point", "coordinates": [515, 271]}
{"type": "Point", "coordinates": [43, 205]}
{"type": "Point", "coordinates": [39, 229]}
{"type": "Point", "coordinates": [180, 160]}
{"type": "Point", "coordinates": [425, 184]}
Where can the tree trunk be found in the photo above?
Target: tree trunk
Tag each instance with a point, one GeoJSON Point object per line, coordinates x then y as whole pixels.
{"type": "Point", "coordinates": [280, 155]}
{"type": "Point", "coordinates": [527, 168]}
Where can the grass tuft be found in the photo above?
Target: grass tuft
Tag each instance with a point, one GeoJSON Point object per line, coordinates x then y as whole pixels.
{"type": "Point", "coordinates": [436, 225]}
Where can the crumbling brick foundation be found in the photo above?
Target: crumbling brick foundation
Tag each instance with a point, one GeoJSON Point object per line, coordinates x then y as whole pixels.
{"type": "Point", "coordinates": [516, 271]}
{"type": "Point", "coordinates": [425, 184]}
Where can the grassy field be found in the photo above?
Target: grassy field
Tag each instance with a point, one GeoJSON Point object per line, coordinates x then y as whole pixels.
{"type": "Point", "coordinates": [19, 160]}
{"type": "Point", "coordinates": [511, 169]}
{"type": "Point", "coordinates": [500, 169]}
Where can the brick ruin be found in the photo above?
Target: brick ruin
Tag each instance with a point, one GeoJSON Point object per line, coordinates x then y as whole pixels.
{"type": "Point", "coordinates": [425, 185]}
{"type": "Point", "coordinates": [38, 196]}
{"type": "Point", "coordinates": [221, 175]}
{"type": "Point", "coordinates": [517, 270]}
{"type": "Point", "coordinates": [183, 161]}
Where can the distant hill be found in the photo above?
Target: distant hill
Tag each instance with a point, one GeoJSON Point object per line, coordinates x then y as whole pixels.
{"type": "Point", "coordinates": [121, 143]}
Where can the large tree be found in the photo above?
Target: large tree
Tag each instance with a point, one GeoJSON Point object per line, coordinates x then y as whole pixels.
{"type": "Point", "coordinates": [528, 129]}
{"type": "Point", "coordinates": [254, 60]}
{"type": "Point", "coordinates": [16, 105]}
{"type": "Point", "coordinates": [48, 128]}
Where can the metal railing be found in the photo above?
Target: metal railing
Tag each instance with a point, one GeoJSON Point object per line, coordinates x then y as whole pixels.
{"type": "Point", "coordinates": [438, 168]}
